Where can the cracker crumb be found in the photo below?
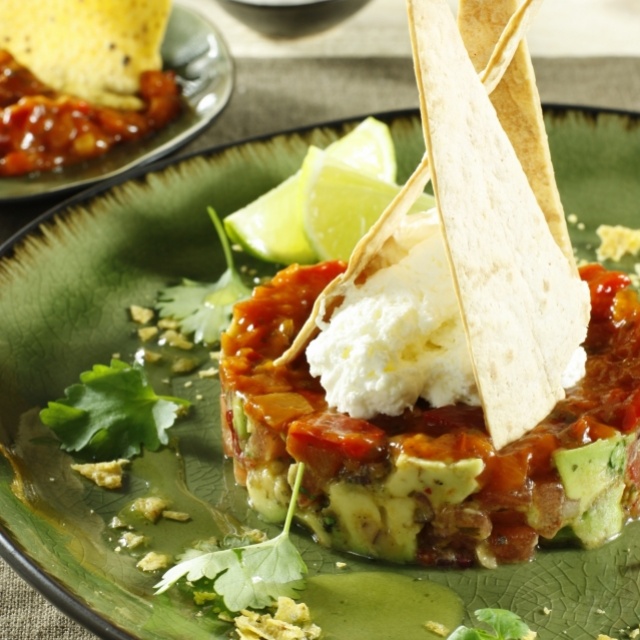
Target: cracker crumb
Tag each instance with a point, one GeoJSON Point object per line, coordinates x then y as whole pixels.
{"type": "Point", "coordinates": [152, 507]}
{"type": "Point", "coordinates": [104, 474]}
{"type": "Point", "coordinates": [154, 561]}
{"type": "Point", "coordinates": [546, 611]}
{"type": "Point", "coordinates": [184, 365]}
{"type": "Point", "coordinates": [147, 333]}
{"type": "Point", "coordinates": [151, 356]}
{"type": "Point", "coordinates": [175, 339]}
{"type": "Point", "coordinates": [291, 621]}
{"type": "Point", "coordinates": [141, 315]}
{"type": "Point", "coordinates": [178, 516]}
{"type": "Point", "coordinates": [341, 565]}
{"type": "Point", "coordinates": [212, 372]}
{"type": "Point", "coordinates": [572, 218]}
{"type": "Point", "coordinates": [617, 241]}
{"type": "Point", "coordinates": [168, 323]}
{"type": "Point", "coordinates": [437, 628]}
{"type": "Point", "coordinates": [131, 540]}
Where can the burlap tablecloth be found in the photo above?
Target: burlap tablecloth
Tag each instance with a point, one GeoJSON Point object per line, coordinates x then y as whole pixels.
{"type": "Point", "coordinates": [272, 95]}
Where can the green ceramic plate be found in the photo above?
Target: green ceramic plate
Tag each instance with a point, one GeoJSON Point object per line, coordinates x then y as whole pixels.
{"type": "Point", "coordinates": [194, 49]}
{"type": "Point", "coordinates": [65, 287]}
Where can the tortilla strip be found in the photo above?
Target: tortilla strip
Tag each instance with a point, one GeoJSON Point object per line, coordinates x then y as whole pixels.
{"type": "Point", "coordinates": [371, 243]}
{"type": "Point", "coordinates": [517, 102]}
{"type": "Point", "coordinates": [92, 49]}
{"type": "Point", "coordinates": [524, 308]}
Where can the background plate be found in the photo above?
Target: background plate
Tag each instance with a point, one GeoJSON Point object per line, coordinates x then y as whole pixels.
{"type": "Point", "coordinates": [195, 50]}
{"type": "Point", "coordinates": [65, 287]}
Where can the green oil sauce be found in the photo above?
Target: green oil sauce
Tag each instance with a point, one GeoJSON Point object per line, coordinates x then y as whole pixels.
{"type": "Point", "coordinates": [380, 605]}
{"type": "Point", "coordinates": [161, 474]}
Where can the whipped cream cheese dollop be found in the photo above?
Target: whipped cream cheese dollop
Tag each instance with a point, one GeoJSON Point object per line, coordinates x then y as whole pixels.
{"type": "Point", "coordinates": [399, 336]}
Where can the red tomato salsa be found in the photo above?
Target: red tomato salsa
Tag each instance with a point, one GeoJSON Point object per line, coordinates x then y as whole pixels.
{"type": "Point", "coordinates": [41, 129]}
{"type": "Point", "coordinates": [605, 402]}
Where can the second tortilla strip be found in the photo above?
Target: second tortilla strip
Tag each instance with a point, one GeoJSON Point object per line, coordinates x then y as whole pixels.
{"type": "Point", "coordinates": [524, 308]}
{"type": "Point", "coordinates": [517, 103]}
{"type": "Point", "coordinates": [372, 243]}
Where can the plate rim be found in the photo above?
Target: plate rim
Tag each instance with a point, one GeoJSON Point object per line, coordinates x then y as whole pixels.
{"type": "Point", "coordinates": [11, 552]}
{"type": "Point", "coordinates": [140, 171]}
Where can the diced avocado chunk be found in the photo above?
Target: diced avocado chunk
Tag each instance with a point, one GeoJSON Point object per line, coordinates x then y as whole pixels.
{"type": "Point", "coordinates": [442, 482]}
{"type": "Point", "coordinates": [373, 523]}
{"type": "Point", "coordinates": [603, 520]}
{"type": "Point", "coordinates": [239, 418]}
{"type": "Point", "coordinates": [587, 471]}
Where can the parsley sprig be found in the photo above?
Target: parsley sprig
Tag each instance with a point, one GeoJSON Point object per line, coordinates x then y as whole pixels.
{"type": "Point", "coordinates": [204, 309]}
{"type": "Point", "coordinates": [505, 625]}
{"type": "Point", "coordinates": [251, 576]}
{"type": "Point", "coordinates": [112, 413]}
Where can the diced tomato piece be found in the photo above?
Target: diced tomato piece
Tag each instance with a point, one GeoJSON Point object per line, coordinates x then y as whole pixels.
{"type": "Point", "coordinates": [512, 540]}
{"type": "Point", "coordinates": [588, 429]}
{"type": "Point", "coordinates": [324, 441]}
{"type": "Point", "coordinates": [603, 286]}
{"type": "Point", "coordinates": [631, 418]}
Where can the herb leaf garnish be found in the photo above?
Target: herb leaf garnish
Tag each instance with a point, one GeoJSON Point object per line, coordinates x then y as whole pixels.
{"type": "Point", "coordinates": [252, 576]}
{"type": "Point", "coordinates": [111, 413]}
{"type": "Point", "coordinates": [204, 309]}
{"type": "Point", "coordinates": [506, 625]}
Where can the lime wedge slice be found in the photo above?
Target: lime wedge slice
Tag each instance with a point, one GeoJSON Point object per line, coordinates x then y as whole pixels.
{"type": "Point", "coordinates": [368, 148]}
{"type": "Point", "coordinates": [340, 204]}
{"type": "Point", "coordinates": [271, 227]}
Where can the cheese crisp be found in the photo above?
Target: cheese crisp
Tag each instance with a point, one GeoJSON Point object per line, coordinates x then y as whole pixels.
{"type": "Point", "coordinates": [93, 49]}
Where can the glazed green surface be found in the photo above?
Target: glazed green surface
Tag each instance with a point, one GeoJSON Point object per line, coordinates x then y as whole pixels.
{"type": "Point", "coordinates": [64, 296]}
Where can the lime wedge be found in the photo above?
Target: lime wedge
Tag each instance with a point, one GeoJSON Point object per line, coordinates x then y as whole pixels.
{"type": "Point", "coordinates": [340, 204]}
{"type": "Point", "coordinates": [368, 148]}
{"type": "Point", "coordinates": [271, 227]}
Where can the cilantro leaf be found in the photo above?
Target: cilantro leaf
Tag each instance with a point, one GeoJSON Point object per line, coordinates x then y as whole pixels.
{"type": "Point", "coordinates": [204, 309]}
{"type": "Point", "coordinates": [507, 626]}
{"type": "Point", "coordinates": [111, 413]}
{"type": "Point", "coordinates": [252, 576]}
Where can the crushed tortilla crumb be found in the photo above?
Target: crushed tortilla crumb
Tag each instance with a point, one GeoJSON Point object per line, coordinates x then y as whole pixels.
{"type": "Point", "coordinates": [617, 241]}
{"type": "Point", "coordinates": [175, 339]}
{"type": "Point", "coordinates": [104, 474]}
{"type": "Point", "coordinates": [291, 621]}
{"type": "Point", "coordinates": [154, 561]}
{"type": "Point", "coordinates": [148, 333]}
{"type": "Point", "coordinates": [141, 315]}
{"type": "Point", "coordinates": [131, 540]}
{"type": "Point", "coordinates": [151, 507]}
{"type": "Point", "coordinates": [178, 516]}
{"type": "Point", "coordinates": [184, 365]}
{"type": "Point", "coordinates": [437, 628]}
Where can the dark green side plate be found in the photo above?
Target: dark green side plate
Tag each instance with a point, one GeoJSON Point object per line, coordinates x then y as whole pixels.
{"type": "Point", "coordinates": [65, 286]}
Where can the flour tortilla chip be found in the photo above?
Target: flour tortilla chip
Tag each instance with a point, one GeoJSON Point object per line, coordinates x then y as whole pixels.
{"type": "Point", "coordinates": [93, 49]}
{"type": "Point", "coordinates": [517, 103]}
{"type": "Point", "coordinates": [524, 308]}
{"type": "Point", "coordinates": [364, 254]}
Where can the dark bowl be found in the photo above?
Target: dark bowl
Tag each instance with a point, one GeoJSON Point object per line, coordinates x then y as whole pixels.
{"type": "Point", "coordinates": [291, 18]}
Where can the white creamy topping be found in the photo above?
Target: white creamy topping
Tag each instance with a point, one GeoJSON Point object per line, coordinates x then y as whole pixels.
{"type": "Point", "coordinates": [399, 336]}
